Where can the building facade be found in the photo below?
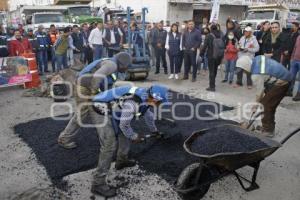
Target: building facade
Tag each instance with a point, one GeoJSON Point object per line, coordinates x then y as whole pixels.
{"type": "Point", "coordinates": [3, 5]}
{"type": "Point", "coordinates": [181, 10]}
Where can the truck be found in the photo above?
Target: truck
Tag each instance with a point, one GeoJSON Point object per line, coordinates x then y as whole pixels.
{"type": "Point", "coordinates": [46, 19]}
{"type": "Point", "coordinates": [33, 16]}
{"type": "Point", "coordinates": [271, 12]}
{"type": "Point", "coordinates": [80, 14]}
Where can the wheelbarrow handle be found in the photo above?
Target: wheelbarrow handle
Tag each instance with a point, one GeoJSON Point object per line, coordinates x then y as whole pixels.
{"type": "Point", "coordinates": [253, 118]}
{"type": "Point", "coordinates": [290, 135]}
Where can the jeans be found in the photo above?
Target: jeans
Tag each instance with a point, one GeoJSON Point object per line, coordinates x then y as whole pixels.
{"type": "Point", "coordinates": [88, 55]}
{"type": "Point", "coordinates": [61, 62]}
{"type": "Point", "coordinates": [298, 91]}
{"type": "Point", "coordinates": [42, 56]}
{"type": "Point", "coordinates": [190, 60]}
{"type": "Point", "coordinates": [160, 54]}
{"type": "Point", "coordinates": [202, 62]}
{"type": "Point", "coordinates": [295, 68]}
{"type": "Point", "coordinates": [174, 63]}
{"type": "Point", "coordinates": [53, 59]}
{"type": "Point", "coordinates": [97, 52]}
{"type": "Point", "coordinates": [213, 65]}
{"type": "Point", "coordinates": [230, 67]}
{"type": "Point", "coordinates": [70, 57]}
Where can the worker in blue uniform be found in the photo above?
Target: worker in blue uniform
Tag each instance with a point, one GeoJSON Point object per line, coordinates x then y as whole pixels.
{"type": "Point", "coordinates": [98, 76]}
{"type": "Point", "coordinates": [118, 107]}
{"type": "Point", "coordinates": [272, 82]}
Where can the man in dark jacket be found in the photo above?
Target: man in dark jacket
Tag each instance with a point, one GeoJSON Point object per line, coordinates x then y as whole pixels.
{"type": "Point", "coordinates": [191, 41]}
{"type": "Point", "coordinates": [274, 46]}
{"type": "Point", "coordinates": [87, 51]}
{"type": "Point", "coordinates": [42, 51]}
{"type": "Point", "coordinates": [78, 43]}
{"type": "Point", "coordinates": [113, 38]}
{"type": "Point", "coordinates": [213, 63]}
{"type": "Point", "coordinates": [33, 41]}
{"type": "Point", "coordinates": [159, 42]}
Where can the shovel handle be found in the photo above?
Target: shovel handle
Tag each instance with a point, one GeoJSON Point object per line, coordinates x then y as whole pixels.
{"type": "Point", "coordinates": [290, 135]}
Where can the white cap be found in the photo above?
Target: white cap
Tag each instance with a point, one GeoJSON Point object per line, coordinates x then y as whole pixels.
{"type": "Point", "coordinates": [244, 62]}
{"type": "Point", "coordinates": [248, 29]}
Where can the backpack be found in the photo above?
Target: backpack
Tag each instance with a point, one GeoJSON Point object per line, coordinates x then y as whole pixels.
{"type": "Point", "coordinates": [218, 47]}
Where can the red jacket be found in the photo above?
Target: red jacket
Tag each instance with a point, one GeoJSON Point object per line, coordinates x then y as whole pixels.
{"type": "Point", "coordinates": [16, 47]}
{"type": "Point", "coordinates": [231, 52]}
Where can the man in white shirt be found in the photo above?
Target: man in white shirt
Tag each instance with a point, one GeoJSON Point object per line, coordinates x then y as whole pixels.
{"type": "Point", "coordinates": [96, 41]}
{"type": "Point", "coordinates": [113, 38]}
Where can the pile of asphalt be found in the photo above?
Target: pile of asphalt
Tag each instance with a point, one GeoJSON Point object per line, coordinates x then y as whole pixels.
{"type": "Point", "coordinates": [226, 140]}
{"type": "Point", "coordinates": [165, 157]}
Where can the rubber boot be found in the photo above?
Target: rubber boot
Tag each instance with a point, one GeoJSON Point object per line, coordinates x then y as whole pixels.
{"type": "Point", "coordinates": [297, 97]}
{"type": "Point", "coordinates": [104, 190]}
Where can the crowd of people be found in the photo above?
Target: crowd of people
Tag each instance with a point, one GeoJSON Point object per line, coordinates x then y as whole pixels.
{"type": "Point", "coordinates": [199, 49]}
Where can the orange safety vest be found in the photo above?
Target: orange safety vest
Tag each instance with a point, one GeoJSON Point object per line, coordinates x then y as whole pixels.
{"type": "Point", "coordinates": [53, 37]}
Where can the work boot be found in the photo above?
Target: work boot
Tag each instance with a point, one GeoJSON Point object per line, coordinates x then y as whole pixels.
{"type": "Point", "coordinates": [121, 164]}
{"type": "Point", "coordinates": [104, 190]}
{"type": "Point", "coordinates": [269, 134]}
{"type": "Point", "coordinates": [297, 97]}
{"type": "Point", "coordinates": [66, 144]}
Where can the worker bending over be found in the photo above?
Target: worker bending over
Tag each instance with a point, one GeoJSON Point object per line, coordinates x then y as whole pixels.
{"type": "Point", "coordinates": [99, 75]}
{"type": "Point", "coordinates": [272, 81]}
{"type": "Point", "coordinates": [118, 107]}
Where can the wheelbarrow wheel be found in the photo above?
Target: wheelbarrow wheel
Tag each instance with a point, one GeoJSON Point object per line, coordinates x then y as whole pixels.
{"type": "Point", "coordinates": [187, 180]}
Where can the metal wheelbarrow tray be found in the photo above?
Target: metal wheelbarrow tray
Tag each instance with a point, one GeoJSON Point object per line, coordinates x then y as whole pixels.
{"type": "Point", "coordinates": [195, 180]}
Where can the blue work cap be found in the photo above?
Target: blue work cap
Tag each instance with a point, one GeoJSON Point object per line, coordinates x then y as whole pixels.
{"type": "Point", "coordinates": [159, 93]}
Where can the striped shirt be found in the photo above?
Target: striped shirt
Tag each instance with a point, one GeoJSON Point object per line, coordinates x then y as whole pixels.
{"type": "Point", "coordinates": [130, 109]}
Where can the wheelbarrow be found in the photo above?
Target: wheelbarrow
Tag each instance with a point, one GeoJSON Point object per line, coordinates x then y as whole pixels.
{"type": "Point", "coordinates": [195, 180]}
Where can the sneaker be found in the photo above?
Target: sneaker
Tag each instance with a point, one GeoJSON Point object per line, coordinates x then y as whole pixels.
{"type": "Point", "coordinates": [249, 87]}
{"type": "Point", "coordinates": [193, 80]}
{"type": "Point", "coordinates": [224, 81]}
{"type": "Point", "coordinates": [230, 82]}
{"type": "Point", "coordinates": [104, 190]}
{"type": "Point", "coordinates": [124, 164]}
{"type": "Point", "coordinates": [237, 86]}
{"type": "Point", "coordinates": [171, 76]}
{"type": "Point", "coordinates": [176, 76]}
{"type": "Point", "coordinates": [66, 144]}
{"type": "Point", "coordinates": [210, 89]}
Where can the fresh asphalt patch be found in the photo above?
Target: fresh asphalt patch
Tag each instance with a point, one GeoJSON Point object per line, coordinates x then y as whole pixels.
{"type": "Point", "coordinates": [165, 157]}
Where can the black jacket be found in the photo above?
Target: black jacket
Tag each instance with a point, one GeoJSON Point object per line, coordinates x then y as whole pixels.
{"type": "Point", "coordinates": [191, 39]}
{"type": "Point", "coordinates": [159, 37]}
{"type": "Point", "coordinates": [277, 48]}
{"type": "Point", "coordinates": [209, 44]}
